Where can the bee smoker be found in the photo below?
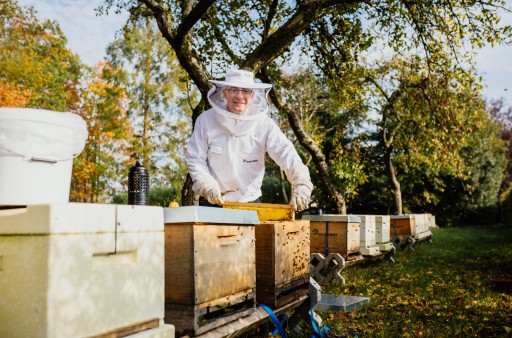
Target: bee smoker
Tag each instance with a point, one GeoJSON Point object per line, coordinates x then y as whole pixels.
{"type": "Point", "coordinates": [138, 185]}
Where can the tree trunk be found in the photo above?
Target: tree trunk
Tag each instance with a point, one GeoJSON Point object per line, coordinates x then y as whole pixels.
{"type": "Point", "coordinates": [334, 196]}
{"type": "Point", "coordinates": [395, 184]}
{"type": "Point", "coordinates": [283, 187]}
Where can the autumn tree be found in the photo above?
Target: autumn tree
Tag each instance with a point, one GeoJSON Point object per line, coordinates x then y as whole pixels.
{"type": "Point", "coordinates": [100, 170]}
{"type": "Point", "coordinates": [36, 68]}
{"type": "Point", "coordinates": [209, 36]}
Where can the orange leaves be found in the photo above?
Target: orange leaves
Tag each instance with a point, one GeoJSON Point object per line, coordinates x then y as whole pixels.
{"type": "Point", "coordinates": [12, 96]}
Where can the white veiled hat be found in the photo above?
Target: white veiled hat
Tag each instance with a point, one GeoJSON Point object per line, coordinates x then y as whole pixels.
{"type": "Point", "coordinates": [240, 78]}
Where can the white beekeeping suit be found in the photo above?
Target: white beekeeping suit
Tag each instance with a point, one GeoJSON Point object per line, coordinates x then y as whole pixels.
{"type": "Point", "coordinates": [226, 152]}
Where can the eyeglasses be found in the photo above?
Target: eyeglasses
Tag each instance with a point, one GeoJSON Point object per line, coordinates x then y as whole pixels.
{"type": "Point", "coordinates": [234, 91]}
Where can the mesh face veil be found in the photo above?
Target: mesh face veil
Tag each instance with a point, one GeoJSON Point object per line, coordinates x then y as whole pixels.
{"type": "Point", "coordinates": [258, 107]}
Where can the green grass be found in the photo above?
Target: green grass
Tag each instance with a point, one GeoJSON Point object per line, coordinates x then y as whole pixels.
{"type": "Point", "coordinates": [440, 289]}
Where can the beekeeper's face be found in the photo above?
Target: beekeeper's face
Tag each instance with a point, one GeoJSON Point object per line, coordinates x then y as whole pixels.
{"type": "Point", "coordinates": [238, 99]}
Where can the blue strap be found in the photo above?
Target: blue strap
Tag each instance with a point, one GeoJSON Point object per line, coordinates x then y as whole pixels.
{"type": "Point", "coordinates": [277, 323]}
{"type": "Point", "coordinates": [318, 332]}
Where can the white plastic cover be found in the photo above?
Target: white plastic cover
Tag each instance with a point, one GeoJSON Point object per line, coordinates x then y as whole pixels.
{"type": "Point", "coordinates": [41, 134]}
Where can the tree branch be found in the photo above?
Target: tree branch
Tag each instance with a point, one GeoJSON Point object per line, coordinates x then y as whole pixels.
{"type": "Point", "coordinates": [282, 38]}
{"type": "Point", "coordinates": [192, 18]}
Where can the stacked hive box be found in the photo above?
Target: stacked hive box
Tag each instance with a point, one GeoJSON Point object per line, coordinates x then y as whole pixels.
{"type": "Point", "coordinates": [335, 234]}
{"type": "Point", "coordinates": [431, 220]}
{"type": "Point", "coordinates": [210, 267]}
{"type": "Point", "coordinates": [368, 232]}
{"type": "Point", "coordinates": [282, 253]}
{"type": "Point", "coordinates": [422, 222]}
{"type": "Point", "coordinates": [382, 235]}
{"type": "Point", "coordinates": [282, 261]}
{"type": "Point", "coordinates": [402, 226]}
{"type": "Point", "coordinates": [82, 270]}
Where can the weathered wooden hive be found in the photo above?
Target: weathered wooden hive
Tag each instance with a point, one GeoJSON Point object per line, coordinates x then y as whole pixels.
{"type": "Point", "coordinates": [282, 253]}
{"type": "Point", "coordinates": [402, 226]}
{"type": "Point", "coordinates": [82, 270]}
{"type": "Point", "coordinates": [422, 222]}
{"type": "Point", "coordinates": [336, 234]}
{"type": "Point", "coordinates": [368, 230]}
{"type": "Point", "coordinates": [382, 234]}
{"type": "Point", "coordinates": [210, 267]}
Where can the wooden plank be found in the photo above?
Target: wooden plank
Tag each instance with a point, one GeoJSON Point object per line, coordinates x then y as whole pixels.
{"type": "Point", "coordinates": [275, 296]}
{"type": "Point", "coordinates": [179, 268]}
{"type": "Point", "coordinates": [282, 251]}
{"type": "Point", "coordinates": [223, 302]}
{"type": "Point", "coordinates": [329, 237]}
{"type": "Point", "coordinates": [343, 238]}
{"type": "Point", "coordinates": [265, 254]}
{"type": "Point", "coordinates": [129, 330]}
{"type": "Point", "coordinates": [224, 261]}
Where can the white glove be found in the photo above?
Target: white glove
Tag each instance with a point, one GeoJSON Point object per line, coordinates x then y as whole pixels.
{"type": "Point", "coordinates": [300, 197]}
{"type": "Point", "coordinates": [214, 196]}
{"type": "Point", "coordinates": [209, 188]}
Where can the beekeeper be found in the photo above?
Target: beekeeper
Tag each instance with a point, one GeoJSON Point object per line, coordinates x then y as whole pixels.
{"type": "Point", "coordinates": [226, 152]}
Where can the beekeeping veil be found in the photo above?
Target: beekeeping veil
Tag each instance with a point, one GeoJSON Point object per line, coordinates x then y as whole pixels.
{"type": "Point", "coordinates": [257, 109]}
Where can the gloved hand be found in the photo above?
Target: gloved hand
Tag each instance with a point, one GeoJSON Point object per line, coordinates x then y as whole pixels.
{"type": "Point", "coordinates": [207, 187]}
{"type": "Point", "coordinates": [214, 196]}
{"type": "Point", "coordinates": [300, 197]}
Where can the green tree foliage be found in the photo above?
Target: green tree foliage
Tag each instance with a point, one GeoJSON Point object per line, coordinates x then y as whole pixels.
{"type": "Point", "coordinates": [424, 118]}
{"type": "Point", "coordinates": [157, 106]}
{"type": "Point", "coordinates": [34, 60]}
{"type": "Point", "coordinates": [330, 118]}
{"type": "Point", "coordinates": [452, 166]}
{"type": "Point", "coordinates": [503, 116]}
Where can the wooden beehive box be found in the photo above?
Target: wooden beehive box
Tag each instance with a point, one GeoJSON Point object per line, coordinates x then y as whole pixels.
{"type": "Point", "coordinates": [382, 238]}
{"type": "Point", "coordinates": [80, 270]}
{"type": "Point", "coordinates": [402, 226]}
{"type": "Point", "coordinates": [210, 267]}
{"type": "Point", "coordinates": [368, 230]}
{"type": "Point", "coordinates": [282, 261]}
{"type": "Point", "coordinates": [421, 222]}
{"type": "Point", "coordinates": [335, 234]}
{"type": "Point", "coordinates": [382, 226]}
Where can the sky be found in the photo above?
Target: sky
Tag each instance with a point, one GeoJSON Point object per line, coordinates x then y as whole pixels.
{"type": "Point", "coordinates": [89, 34]}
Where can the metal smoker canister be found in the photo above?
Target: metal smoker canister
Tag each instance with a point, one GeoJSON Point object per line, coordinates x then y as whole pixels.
{"type": "Point", "coordinates": [138, 185]}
